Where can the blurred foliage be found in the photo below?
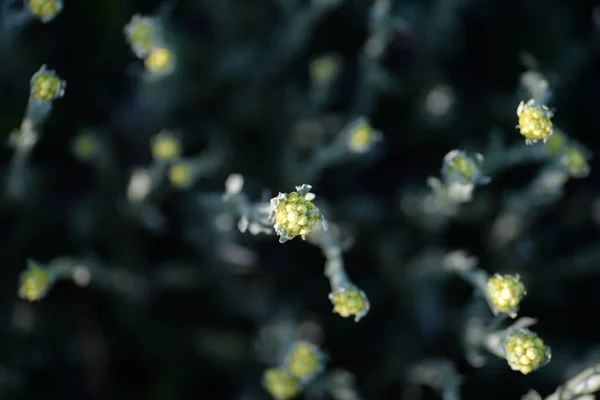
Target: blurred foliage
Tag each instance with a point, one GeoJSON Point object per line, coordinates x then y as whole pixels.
{"type": "Point", "coordinates": [166, 299]}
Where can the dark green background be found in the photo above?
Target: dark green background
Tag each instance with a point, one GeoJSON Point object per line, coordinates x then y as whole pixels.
{"type": "Point", "coordinates": [147, 346]}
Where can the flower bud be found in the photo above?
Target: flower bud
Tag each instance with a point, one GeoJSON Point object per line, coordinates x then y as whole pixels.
{"type": "Point", "coordinates": [461, 168]}
{"type": "Point", "coordinates": [46, 85]}
{"type": "Point", "coordinates": [505, 293]}
{"type": "Point", "coordinates": [304, 361]}
{"type": "Point", "coordinates": [294, 214]}
{"type": "Point", "coordinates": [556, 142]}
{"type": "Point", "coordinates": [350, 301]}
{"type": "Point", "coordinates": [35, 282]}
{"type": "Point", "coordinates": [535, 121]}
{"type": "Point", "coordinates": [160, 61]}
{"type": "Point", "coordinates": [181, 175]}
{"type": "Point", "coordinates": [165, 147]}
{"type": "Point", "coordinates": [143, 34]}
{"type": "Point", "coordinates": [45, 10]}
{"type": "Point", "coordinates": [280, 384]}
{"type": "Point", "coordinates": [575, 161]}
{"type": "Point", "coordinates": [362, 136]}
{"type": "Point", "coordinates": [525, 351]}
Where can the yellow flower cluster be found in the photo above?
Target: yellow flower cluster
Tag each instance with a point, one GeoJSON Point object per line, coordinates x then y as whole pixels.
{"type": "Point", "coordinates": [142, 33]}
{"type": "Point", "coordinates": [35, 282]}
{"type": "Point", "coordinates": [280, 383]}
{"type": "Point", "coordinates": [575, 160]}
{"type": "Point", "coordinates": [45, 10]}
{"type": "Point", "coordinates": [304, 361]}
{"type": "Point", "coordinates": [181, 174]}
{"type": "Point", "coordinates": [294, 214]}
{"type": "Point", "coordinates": [165, 147]}
{"type": "Point", "coordinates": [350, 301]}
{"type": "Point", "coordinates": [145, 37]}
{"type": "Point", "coordinates": [526, 352]}
{"type": "Point", "coordinates": [535, 121]}
{"type": "Point", "coordinates": [160, 61]}
{"type": "Point", "coordinates": [505, 292]}
{"type": "Point", "coordinates": [362, 136]}
{"type": "Point", "coordinates": [46, 85]}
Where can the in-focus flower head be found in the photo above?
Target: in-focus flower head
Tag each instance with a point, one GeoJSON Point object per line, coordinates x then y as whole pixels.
{"type": "Point", "coordinates": [535, 121]}
{"type": "Point", "coordinates": [35, 282]}
{"type": "Point", "coordinates": [304, 361]}
{"type": "Point", "coordinates": [280, 383]}
{"type": "Point", "coordinates": [294, 214]}
{"type": "Point", "coordinates": [45, 10]}
{"type": "Point", "coordinates": [46, 85]}
{"type": "Point", "coordinates": [505, 293]}
{"type": "Point", "coordinates": [165, 146]}
{"type": "Point", "coordinates": [160, 61]}
{"type": "Point", "coordinates": [525, 351]}
{"type": "Point", "coordinates": [143, 34]}
{"type": "Point", "coordinates": [575, 161]}
{"type": "Point", "coordinates": [350, 301]}
{"type": "Point", "coordinates": [461, 168]}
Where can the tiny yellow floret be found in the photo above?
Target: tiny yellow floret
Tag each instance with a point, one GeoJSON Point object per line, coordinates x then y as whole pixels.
{"type": "Point", "coordinates": [505, 293]}
{"type": "Point", "coordinates": [45, 10]}
{"type": "Point", "coordinates": [46, 85]}
{"type": "Point", "coordinates": [142, 34]}
{"type": "Point", "coordinates": [295, 216]}
{"type": "Point", "coordinates": [35, 283]}
{"type": "Point", "coordinates": [576, 162]}
{"type": "Point", "coordinates": [350, 301]}
{"type": "Point", "coordinates": [280, 384]}
{"type": "Point", "coordinates": [160, 61]}
{"type": "Point", "coordinates": [304, 361]}
{"type": "Point", "coordinates": [165, 147]}
{"type": "Point", "coordinates": [535, 121]}
{"type": "Point", "coordinates": [362, 137]}
{"type": "Point", "coordinates": [180, 175]}
{"type": "Point", "coordinates": [556, 142]}
{"type": "Point", "coordinates": [526, 352]}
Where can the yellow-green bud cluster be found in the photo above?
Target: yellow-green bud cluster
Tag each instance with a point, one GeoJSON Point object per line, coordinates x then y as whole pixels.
{"type": "Point", "coordinates": [505, 293]}
{"type": "Point", "coordinates": [294, 215]}
{"type": "Point", "coordinates": [46, 85]}
{"type": "Point", "coordinates": [165, 147]}
{"type": "Point", "coordinates": [35, 282]}
{"type": "Point", "coordinates": [461, 168]}
{"type": "Point", "coordinates": [45, 10]}
{"type": "Point", "coordinates": [362, 136]}
{"type": "Point", "coordinates": [535, 121]}
{"type": "Point", "coordinates": [181, 174]}
{"type": "Point", "coordinates": [304, 361]}
{"type": "Point", "coordinates": [160, 61]}
{"type": "Point", "coordinates": [145, 37]}
{"type": "Point", "coordinates": [556, 142]}
{"type": "Point", "coordinates": [280, 383]}
{"type": "Point", "coordinates": [143, 33]}
{"type": "Point", "coordinates": [525, 351]}
{"type": "Point", "coordinates": [350, 301]}
{"type": "Point", "coordinates": [575, 161]}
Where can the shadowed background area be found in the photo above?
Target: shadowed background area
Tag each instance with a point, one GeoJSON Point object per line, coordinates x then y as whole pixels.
{"type": "Point", "coordinates": [181, 305]}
